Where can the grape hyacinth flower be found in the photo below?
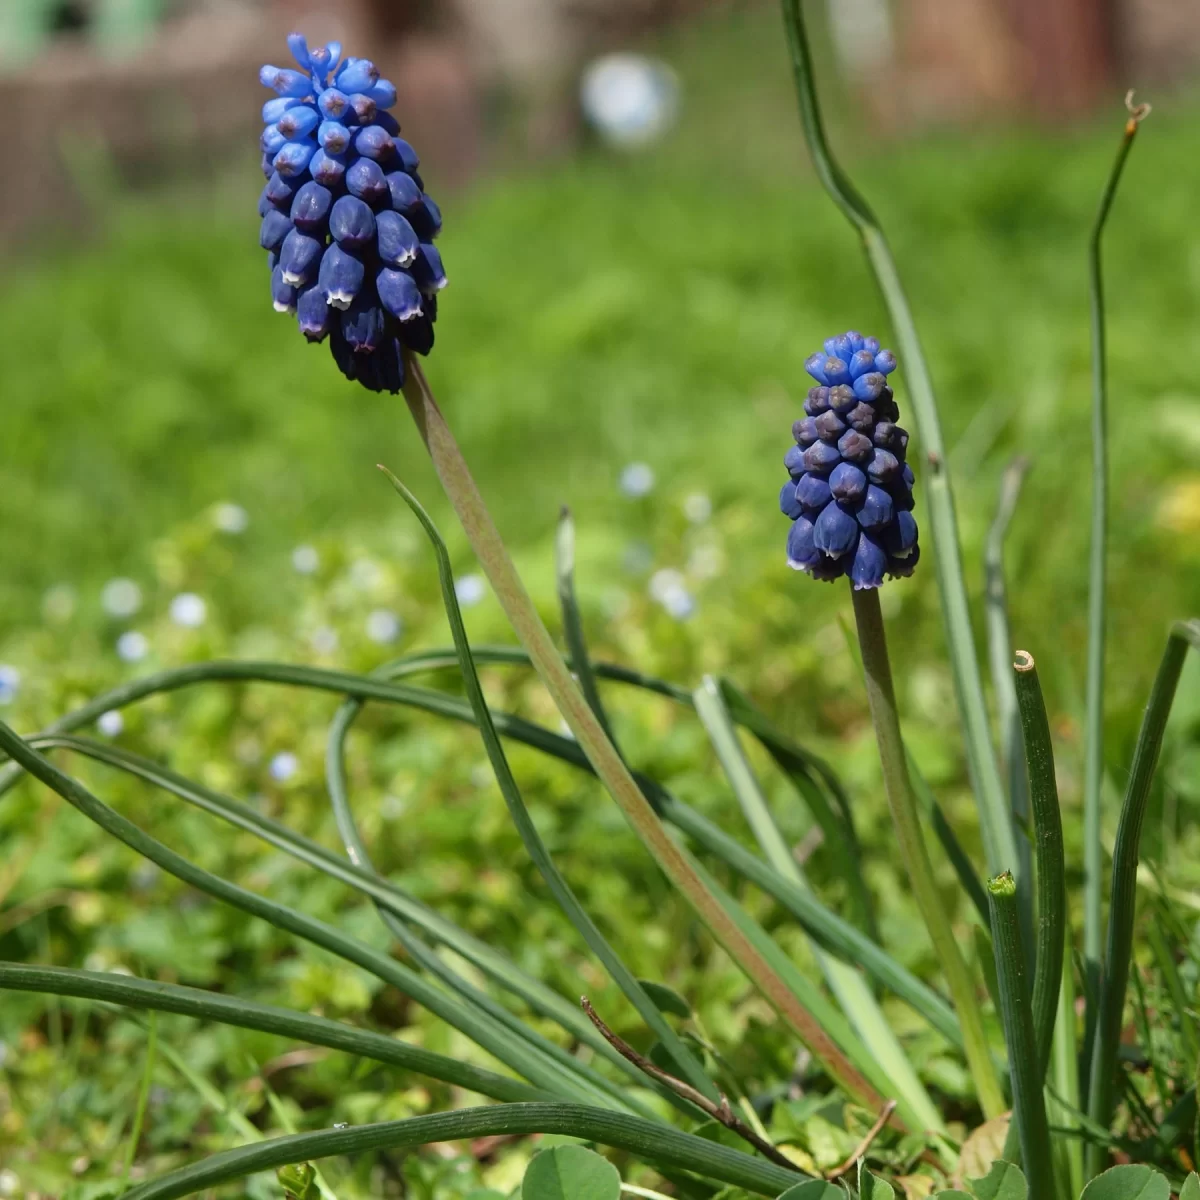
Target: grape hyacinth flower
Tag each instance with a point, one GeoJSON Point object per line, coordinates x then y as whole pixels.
{"type": "Point", "coordinates": [849, 494]}
{"type": "Point", "coordinates": [346, 223]}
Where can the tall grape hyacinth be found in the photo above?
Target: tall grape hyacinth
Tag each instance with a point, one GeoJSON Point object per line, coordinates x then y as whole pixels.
{"type": "Point", "coordinates": [346, 223]}
{"type": "Point", "coordinates": [849, 495]}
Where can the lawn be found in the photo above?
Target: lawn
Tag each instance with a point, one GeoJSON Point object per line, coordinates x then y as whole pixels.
{"type": "Point", "coordinates": [604, 311]}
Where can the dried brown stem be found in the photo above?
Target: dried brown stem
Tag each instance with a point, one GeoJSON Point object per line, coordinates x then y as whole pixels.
{"type": "Point", "coordinates": [865, 1144]}
{"type": "Point", "coordinates": [722, 1112]}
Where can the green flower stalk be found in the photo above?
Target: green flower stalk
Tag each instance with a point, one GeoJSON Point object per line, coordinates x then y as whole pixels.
{"type": "Point", "coordinates": [910, 839]}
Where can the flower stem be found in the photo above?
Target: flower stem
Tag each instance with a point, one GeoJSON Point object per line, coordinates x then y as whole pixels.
{"type": "Point", "coordinates": [485, 539]}
{"type": "Point", "coordinates": [995, 820]}
{"type": "Point", "coordinates": [902, 802]}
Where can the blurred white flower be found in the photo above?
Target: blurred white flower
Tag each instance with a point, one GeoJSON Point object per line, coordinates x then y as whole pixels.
{"type": "Point", "coordinates": [668, 588]}
{"type": "Point", "coordinates": [121, 597]}
{"type": "Point", "coordinates": [132, 646]}
{"type": "Point", "coordinates": [111, 723]}
{"type": "Point", "coordinates": [705, 561]}
{"type": "Point", "coordinates": [230, 518]}
{"type": "Point", "coordinates": [629, 99]}
{"type": "Point", "coordinates": [324, 640]}
{"type": "Point", "coordinates": [637, 480]}
{"type": "Point", "coordinates": [9, 1182]}
{"type": "Point", "coordinates": [366, 573]}
{"type": "Point", "coordinates": [637, 558]}
{"type": "Point", "coordinates": [383, 626]}
{"type": "Point", "coordinates": [470, 589]}
{"type": "Point", "coordinates": [305, 559]}
{"type": "Point", "coordinates": [10, 683]}
{"type": "Point", "coordinates": [697, 507]}
{"type": "Point", "coordinates": [189, 610]}
{"type": "Point", "coordinates": [58, 604]}
{"type": "Point", "coordinates": [283, 766]}
{"type": "Point", "coordinates": [145, 876]}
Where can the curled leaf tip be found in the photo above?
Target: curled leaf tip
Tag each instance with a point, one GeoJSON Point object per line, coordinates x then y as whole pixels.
{"type": "Point", "coordinates": [1137, 112]}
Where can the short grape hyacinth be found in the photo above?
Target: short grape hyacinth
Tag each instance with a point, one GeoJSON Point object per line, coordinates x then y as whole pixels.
{"type": "Point", "coordinates": [849, 495]}
{"type": "Point", "coordinates": [346, 223]}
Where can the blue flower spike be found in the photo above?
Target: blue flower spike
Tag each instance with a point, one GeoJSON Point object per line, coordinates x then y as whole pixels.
{"type": "Point", "coordinates": [345, 220]}
{"type": "Point", "coordinates": [849, 493]}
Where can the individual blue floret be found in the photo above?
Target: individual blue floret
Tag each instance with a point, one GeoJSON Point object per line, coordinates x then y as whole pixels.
{"type": "Point", "coordinates": [345, 220]}
{"type": "Point", "coordinates": [849, 493]}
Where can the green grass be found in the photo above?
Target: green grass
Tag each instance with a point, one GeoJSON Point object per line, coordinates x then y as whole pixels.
{"type": "Point", "coordinates": [602, 310]}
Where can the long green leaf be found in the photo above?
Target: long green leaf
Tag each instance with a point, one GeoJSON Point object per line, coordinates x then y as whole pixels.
{"type": "Point", "coordinates": [1123, 901]}
{"type": "Point", "coordinates": [1024, 1066]}
{"type": "Point", "coordinates": [833, 932]}
{"type": "Point", "coordinates": [643, 1139]}
{"type": "Point", "coordinates": [684, 1060]}
{"type": "Point", "coordinates": [857, 1001]}
{"type": "Point", "coordinates": [131, 992]}
{"type": "Point", "coordinates": [812, 777]}
{"type": "Point", "coordinates": [476, 1025]}
{"type": "Point", "coordinates": [1093, 779]}
{"type": "Point", "coordinates": [994, 817]}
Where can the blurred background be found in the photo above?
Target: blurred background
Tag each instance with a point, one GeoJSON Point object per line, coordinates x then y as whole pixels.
{"type": "Point", "coordinates": [640, 261]}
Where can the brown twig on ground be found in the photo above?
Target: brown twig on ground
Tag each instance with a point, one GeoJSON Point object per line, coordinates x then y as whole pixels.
{"type": "Point", "coordinates": [865, 1144]}
{"type": "Point", "coordinates": [722, 1112]}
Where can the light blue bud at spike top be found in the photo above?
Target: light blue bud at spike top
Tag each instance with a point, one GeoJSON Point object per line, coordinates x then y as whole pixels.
{"type": "Point", "coordinates": [849, 490]}
{"type": "Point", "coordinates": [346, 219]}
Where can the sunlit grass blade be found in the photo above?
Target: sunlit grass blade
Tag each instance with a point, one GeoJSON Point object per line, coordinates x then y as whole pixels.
{"type": "Point", "coordinates": [834, 933]}
{"type": "Point", "coordinates": [1123, 900]}
{"type": "Point", "coordinates": [1024, 1067]}
{"type": "Point", "coordinates": [1064, 1101]}
{"type": "Point", "coordinates": [424, 955]}
{"type": "Point", "coordinates": [914, 856]}
{"type": "Point", "coordinates": [131, 992]}
{"type": "Point", "coordinates": [816, 782]}
{"type": "Point", "coordinates": [654, 1144]}
{"type": "Point", "coordinates": [837, 1025]}
{"type": "Point", "coordinates": [855, 997]}
{"type": "Point", "coordinates": [1093, 778]}
{"type": "Point", "coordinates": [686, 1063]}
{"type": "Point", "coordinates": [960, 860]}
{"type": "Point", "coordinates": [479, 1027]}
{"type": "Point", "coordinates": [994, 817]}
{"type": "Point", "coordinates": [581, 663]}
{"type": "Point", "coordinates": [1007, 716]}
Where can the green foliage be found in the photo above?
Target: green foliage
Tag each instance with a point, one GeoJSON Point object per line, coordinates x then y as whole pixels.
{"type": "Point", "coordinates": [1003, 1182]}
{"type": "Point", "coordinates": [570, 1173]}
{"type": "Point", "coordinates": [871, 1187]}
{"type": "Point", "coordinates": [158, 418]}
{"type": "Point", "coordinates": [814, 1189]}
{"type": "Point", "coordinates": [1128, 1183]}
